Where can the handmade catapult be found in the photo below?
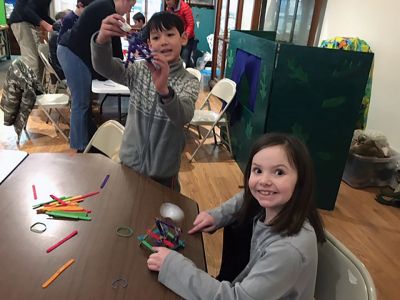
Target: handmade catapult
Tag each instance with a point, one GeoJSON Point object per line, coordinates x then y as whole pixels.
{"type": "Point", "coordinates": [162, 234]}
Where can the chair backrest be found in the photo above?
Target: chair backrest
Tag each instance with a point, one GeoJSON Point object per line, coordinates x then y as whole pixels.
{"type": "Point", "coordinates": [224, 89]}
{"type": "Point", "coordinates": [341, 275]}
{"type": "Point", "coordinates": [108, 139]}
{"type": "Point", "coordinates": [195, 72]}
{"type": "Point", "coordinates": [43, 51]}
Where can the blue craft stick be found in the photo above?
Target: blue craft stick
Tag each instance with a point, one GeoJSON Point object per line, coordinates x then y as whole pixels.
{"type": "Point", "coordinates": [104, 181]}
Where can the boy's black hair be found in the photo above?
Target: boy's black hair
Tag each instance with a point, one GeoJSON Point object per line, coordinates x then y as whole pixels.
{"type": "Point", "coordinates": [84, 2]}
{"type": "Point", "coordinates": [139, 17]}
{"type": "Point", "coordinates": [62, 14]}
{"type": "Point", "coordinates": [301, 206]}
{"type": "Point", "coordinates": [164, 20]}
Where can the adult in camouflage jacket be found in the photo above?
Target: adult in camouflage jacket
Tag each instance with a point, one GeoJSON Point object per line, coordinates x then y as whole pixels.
{"type": "Point", "coordinates": [19, 95]}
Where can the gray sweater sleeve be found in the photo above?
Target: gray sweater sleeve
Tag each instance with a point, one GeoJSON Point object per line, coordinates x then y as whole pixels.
{"type": "Point", "coordinates": [180, 108]}
{"type": "Point", "coordinates": [271, 277]}
{"type": "Point", "coordinates": [225, 214]}
{"type": "Point", "coordinates": [105, 64]}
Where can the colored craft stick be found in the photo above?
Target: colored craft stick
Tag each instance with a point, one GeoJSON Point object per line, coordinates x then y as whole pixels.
{"type": "Point", "coordinates": [57, 273]}
{"type": "Point", "coordinates": [54, 202]}
{"type": "Point", "coordinates": [76, 198]}
{"type": "Point", "coordinates": [34, 192]}
{"type": "Point", "coordinates": [58, 200]}
{"type": "Point", "coordinates": [85, 195]}
{"type": "Point", "coordinates": [147, 245]}
{"type": "Point", "coordinates": [62, 208]}
{"type": "Point", "coordinates": [73, 233]}
{"type": "Point", "coordinates": [104, 181]}
{"type": "Point", "coordinates": [161, 239]}
{"type": "Point", "coordinates": [69, 215]}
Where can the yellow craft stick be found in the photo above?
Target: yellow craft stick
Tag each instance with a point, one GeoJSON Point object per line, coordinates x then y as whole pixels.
{"type": "Point", "coordinates": [57, 273]}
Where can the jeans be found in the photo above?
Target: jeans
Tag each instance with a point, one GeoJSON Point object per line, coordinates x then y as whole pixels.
{"type": "Point", "coordinates": [187, 51]}
{"type": "Point", "coordinates": [79, 80]}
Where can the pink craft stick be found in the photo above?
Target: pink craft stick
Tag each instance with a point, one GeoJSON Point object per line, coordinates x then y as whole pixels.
{"type": "Point", "coordinates": [72, 234]}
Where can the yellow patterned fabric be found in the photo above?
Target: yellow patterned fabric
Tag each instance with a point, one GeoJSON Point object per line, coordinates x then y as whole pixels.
{"type": "Point", "coordinates": [354, 44]}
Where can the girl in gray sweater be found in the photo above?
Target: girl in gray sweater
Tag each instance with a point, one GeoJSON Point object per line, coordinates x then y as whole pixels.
{"type": "Point", "coordinates": [278, 201]}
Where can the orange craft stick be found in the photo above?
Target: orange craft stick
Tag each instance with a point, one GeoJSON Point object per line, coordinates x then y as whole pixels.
{"type": "Point", "coordinates": [75, 198]}
{"type": "Point", "coordinates": [57, 273]}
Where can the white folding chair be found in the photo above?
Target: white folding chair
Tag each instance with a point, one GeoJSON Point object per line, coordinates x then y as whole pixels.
{"type": "Point", "coordinates": [224, 90]}
{"type": "Point", "coordinates": [108, 139]}
{"type": "Point", "coordinates": [341, 275]}
{"type": "Point", "coordinates": [50, 73]}
{"type": "Point", "coordinates": [47, 102]}
{"type": "Point", "coordinates": [195, 72]}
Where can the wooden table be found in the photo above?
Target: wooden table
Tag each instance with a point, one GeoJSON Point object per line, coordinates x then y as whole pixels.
{"type": "Point", "coordinates": [9, 161]}
{"type": "Point", "coordinates": [102, 256]}
{"type": "Point", "coordinates": [110, 88]}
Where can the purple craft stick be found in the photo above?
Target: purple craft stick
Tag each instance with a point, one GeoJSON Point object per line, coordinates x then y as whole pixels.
{"type": "Point", "coordinates": [104, 181]}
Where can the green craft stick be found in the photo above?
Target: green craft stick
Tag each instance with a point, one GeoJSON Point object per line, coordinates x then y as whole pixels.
{"type": "Point", "coordinates": [65, 198]}
{"type": "Point", "coordinates": [42, 203]}
{"type": "Point", "coordinates": [71, 215]}
{"type": "Point", "coordinates": [148, 246]}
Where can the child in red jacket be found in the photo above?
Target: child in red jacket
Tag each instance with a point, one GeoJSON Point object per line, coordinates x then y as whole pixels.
{"type": "Point", "coordinates": [183, 10]}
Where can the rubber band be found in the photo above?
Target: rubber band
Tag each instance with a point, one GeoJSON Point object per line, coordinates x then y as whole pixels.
{"type": "Point", "coordinates": [124, 231]}
{"type": "Point", "coordinates": [119, 282]}
{"type": "Point", "coordinates": [38, 227]}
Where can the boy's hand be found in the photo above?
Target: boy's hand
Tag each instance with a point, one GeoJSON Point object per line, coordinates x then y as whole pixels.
{"type": "Point", "coordinates": [203, 222]}
{"type": "Point", "coordinates": [46, 26]}
{"type": "Point", "coordinates": [156, 260]}
{"type": "Point", "coordinates": [159, 69]}
{"type": "Point", "coordinates": [110, 27]}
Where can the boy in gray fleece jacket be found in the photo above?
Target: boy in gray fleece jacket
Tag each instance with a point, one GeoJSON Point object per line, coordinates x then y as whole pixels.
{"type": "Point", "coordinates": [162, 96]}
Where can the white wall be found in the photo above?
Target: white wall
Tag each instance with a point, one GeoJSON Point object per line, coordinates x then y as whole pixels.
{"type": "Point", "coordinates": [376, 22]}
{"type": "Point", "coordinates": [60, 5]}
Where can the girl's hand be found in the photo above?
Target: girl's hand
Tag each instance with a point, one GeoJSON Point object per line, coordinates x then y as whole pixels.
{"type": "Point", "coordinates": [110, 27]}
{"type": "Point", "coordinates": [203, 222]}
{"type": "Point", "coordinates": [159, 69]}
{"type": "Point", "coordinates": [156, 260]}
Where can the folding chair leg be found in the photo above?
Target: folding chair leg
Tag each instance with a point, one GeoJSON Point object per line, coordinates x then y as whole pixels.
{"type": "Point", "coordinates": [229, 139]}
{"type": "Point", "coordinates": [201, 143]}
{"type": "Point", "coordinates": [54, 123]}
{"type": "Point", "coordinates": [198, 131]}
{"type": "Point", "coordinates": [215, 136]}
{"type": "Point", "coordinates": [102, 102]}
{"type": "Point", "coordinates": [61, 116]}
{"type": "Point", "coordinates": [27, 134]}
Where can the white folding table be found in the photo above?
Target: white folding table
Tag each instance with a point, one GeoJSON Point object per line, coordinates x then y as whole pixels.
{"type": "Point", "coordinates": [110, 88]}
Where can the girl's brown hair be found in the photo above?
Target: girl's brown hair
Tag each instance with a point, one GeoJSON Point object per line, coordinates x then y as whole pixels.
{"type": "Point", "coordinates": [301, 206]}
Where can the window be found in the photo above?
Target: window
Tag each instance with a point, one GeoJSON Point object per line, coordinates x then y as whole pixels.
{"type": "Point", "coordinates": [146, 7]}
{"type": "Point", "coordinates": [291, 19]}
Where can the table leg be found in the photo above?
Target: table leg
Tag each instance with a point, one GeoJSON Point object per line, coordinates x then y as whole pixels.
{"type": "Point", "coordinates": [119, 108]}
{"type": "Point", "coordinates": [102, 102]}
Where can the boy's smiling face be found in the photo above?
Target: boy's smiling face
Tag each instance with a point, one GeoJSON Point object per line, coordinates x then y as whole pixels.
{"type": "Point", "coordinates": [168, 42]}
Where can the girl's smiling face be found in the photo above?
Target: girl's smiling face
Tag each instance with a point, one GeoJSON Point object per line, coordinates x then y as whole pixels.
{"type": "Point", "coordinates": [272, 179]}
{"type": "Point", "coordinates": [168, 42]}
